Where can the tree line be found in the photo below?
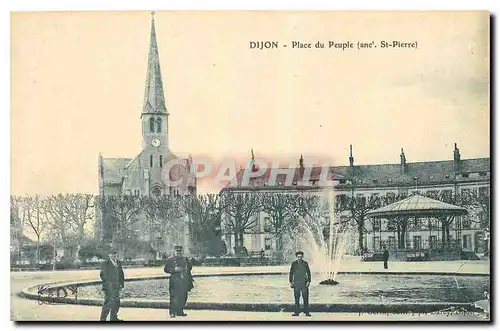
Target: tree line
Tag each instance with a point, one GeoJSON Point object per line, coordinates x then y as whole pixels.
{"type": "Point", "coordinates": [63, 218]}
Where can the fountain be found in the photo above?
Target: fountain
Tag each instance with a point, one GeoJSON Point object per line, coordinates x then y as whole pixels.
{"type": "Point", "coordinates": [325, 255]}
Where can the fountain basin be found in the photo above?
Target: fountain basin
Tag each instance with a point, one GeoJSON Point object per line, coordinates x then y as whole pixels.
{"type": "Point", "coordinates": [329, 282]}
{"type": "Point", "coordinates": [369, 292]}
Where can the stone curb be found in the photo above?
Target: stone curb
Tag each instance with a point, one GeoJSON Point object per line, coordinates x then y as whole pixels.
{"type": "Point", "coordinates": [33, 293]}
{"type": "Point", "coordinates": [414, 308]}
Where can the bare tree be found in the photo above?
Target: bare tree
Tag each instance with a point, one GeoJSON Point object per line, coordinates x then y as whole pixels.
{"type": "Point", "coordinates": [68, 215]}
{"type": "Point", "coordinates": [161, 215]}
{"type": "Point", "coordinates": [122, 214]}
{"type": "Point", "coordinates": [283, 214]}
{"type": "Point", "coordinates": [478, 203]}
{"type": "Point", "coordinates": [358, 207]}
{"type": "Point", "coordinates": [16, 226]}
{"type": "Point", "coordinates": [242, 210]}
{"type": "Point", "coordinates": [80, 209]}
{"type": "Point", "coordinates": [33, 214]}
{"type": "Point", "coordinates": [206, 214]}
{"type": "Point", "coordinates": [55, 210]}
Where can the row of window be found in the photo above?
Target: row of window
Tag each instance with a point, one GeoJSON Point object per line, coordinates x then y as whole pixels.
{"type": "Point", "coordinates": [484, 190]}
{"type": "Point", "coordinates": [431, 177]}
{"type": "Point", "coordinates": [151, 161]}
{"type": "Point", "coordinates": [155, 123]}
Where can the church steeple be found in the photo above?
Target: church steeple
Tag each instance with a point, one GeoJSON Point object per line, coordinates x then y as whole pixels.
{"type": "Point", "coordinates": [154, 115]}
{"type": "Point", "coordinates": [154, 98]}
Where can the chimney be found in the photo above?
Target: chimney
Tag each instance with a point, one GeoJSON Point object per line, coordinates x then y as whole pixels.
{"type": "Point", "coordinates": [301, 167]}
{"type": "Point", "coordinates": [351, 159]}
{"type": "Point", "coordinates": [252, 162]}
{"type": "Point", "coordinates": [456, 159]}
{"type": "Point", "coordinates": [403, 162]}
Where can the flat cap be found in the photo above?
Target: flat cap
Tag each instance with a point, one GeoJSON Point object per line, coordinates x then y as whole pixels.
{"type": "Point", "coordinates": [299, 253]}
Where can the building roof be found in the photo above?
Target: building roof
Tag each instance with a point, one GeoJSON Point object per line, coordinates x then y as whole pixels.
{"type": "Point", "coordinates": [263, 181]}
{"type": "Point", "coordinates": [381, 175]}
{"type": "Point", "coordinates": [113, 169]}
{"type": "Point", "coordinates": [417, 205]}
{"type": "Point", "coordinates": [420, 173]}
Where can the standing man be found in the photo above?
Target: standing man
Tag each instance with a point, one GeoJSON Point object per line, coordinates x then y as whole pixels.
{"type": "Point", "coordinates": [181, 282]}
{"type": "Point", "coordinates": [386, 257]}
{"type": "Point", "coordinates": [112, 282]}
{"type": "Point", "coordinates": [300, 279]}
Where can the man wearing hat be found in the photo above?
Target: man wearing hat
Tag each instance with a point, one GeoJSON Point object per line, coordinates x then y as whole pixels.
{"type": "Point", "coordinates": [300, 279]}
{"type": "Point", "coordinates": [181, 281]}
{"type": "Point", "coordinates": [112, 282]}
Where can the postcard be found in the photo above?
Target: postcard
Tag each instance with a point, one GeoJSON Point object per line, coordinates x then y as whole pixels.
{"type": "Point", "coordinates": [250, 166]}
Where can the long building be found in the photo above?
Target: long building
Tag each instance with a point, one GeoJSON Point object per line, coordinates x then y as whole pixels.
{"type": "Point", "coordinates": [457, 175]}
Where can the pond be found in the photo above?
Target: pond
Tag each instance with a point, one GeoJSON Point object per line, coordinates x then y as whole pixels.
{"type": "Point", "coordinates": [353, 288]}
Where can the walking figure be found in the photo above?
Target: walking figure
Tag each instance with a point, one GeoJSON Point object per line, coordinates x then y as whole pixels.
{"type": "Point", "coordinates": [386, 257]}
{"type": "Point", "coordinates": [300, 279]}
{"type": "Point", "coordinates": [113, 281]}
{"type": "Point", "coordinates": [180, 283]}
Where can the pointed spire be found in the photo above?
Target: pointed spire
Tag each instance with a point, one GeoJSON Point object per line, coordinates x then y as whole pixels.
{"type": "Point", "coordinates": [301, 160]}
{"type": "Point", "coordinates": [253, 156]}
{"type": "Point", "coordinates": [154, 98]}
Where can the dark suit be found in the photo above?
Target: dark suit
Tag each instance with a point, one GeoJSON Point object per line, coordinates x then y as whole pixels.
{"type": "Point", "coordinates": [299, 276]}
{"type": "Point", "coordinates": [386, 258]}
{"type": "Point", "coordinates": [180, 283]}
{"type": "Point", "coordinates": [113, 281]}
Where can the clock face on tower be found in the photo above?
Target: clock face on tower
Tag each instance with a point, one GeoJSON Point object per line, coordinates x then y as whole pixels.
{"type": "Point", "coordinates": [155, 142]}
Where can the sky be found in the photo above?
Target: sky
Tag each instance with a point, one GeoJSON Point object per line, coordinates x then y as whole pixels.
{"type": "Point", "coordinates": [77, 88]}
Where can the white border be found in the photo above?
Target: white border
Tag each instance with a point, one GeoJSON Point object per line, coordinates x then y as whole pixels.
{"type": "Point", "coordinates": [98, 5]}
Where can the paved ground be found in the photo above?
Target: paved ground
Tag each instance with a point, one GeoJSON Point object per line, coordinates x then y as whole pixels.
{"type": "Point", "coordinates": [29, 310]}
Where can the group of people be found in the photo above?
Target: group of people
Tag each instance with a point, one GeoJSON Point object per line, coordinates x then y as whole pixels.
{"type": "Point", "coordinates": [181, 282]}
{"type": "Point", "coordinates": [113, 280]}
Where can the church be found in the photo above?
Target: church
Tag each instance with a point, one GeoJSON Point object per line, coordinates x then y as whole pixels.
{"type": "Point", "coordinates": [144, 174]}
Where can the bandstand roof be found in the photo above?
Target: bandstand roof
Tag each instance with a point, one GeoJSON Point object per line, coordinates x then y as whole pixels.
{"type": "Point", "coordinates": [417, 206]}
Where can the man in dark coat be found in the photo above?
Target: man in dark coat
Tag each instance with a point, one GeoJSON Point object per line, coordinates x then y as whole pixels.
{"type": "Point", "coordinates": [300, 279]}
{"type": "Point", "coordinates": [181, 281]}
{"type": "Point", "coordinates": [113, 281]}
{"type": "Point", "coordinates": [386, 257]}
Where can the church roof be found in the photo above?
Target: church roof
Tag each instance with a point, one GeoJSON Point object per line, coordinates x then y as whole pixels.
{"type": "Point", "coordinates": [113, 169]}
{"type": "Point", "coordinates": [154, 98]}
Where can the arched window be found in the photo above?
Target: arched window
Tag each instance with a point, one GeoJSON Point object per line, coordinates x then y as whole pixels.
{"type": "Point", "coordinates": [158, 125]}
{"type": "Point", "coordinates": [156, 192]}
{"type": "Point", "coordinates": [151, 125]}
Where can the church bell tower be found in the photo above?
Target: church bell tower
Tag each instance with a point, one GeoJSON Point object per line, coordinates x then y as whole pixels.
{"type": "Point", "coordinates": [154, 119]}
{"type": "Point", "coordinates": [154, 114]}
